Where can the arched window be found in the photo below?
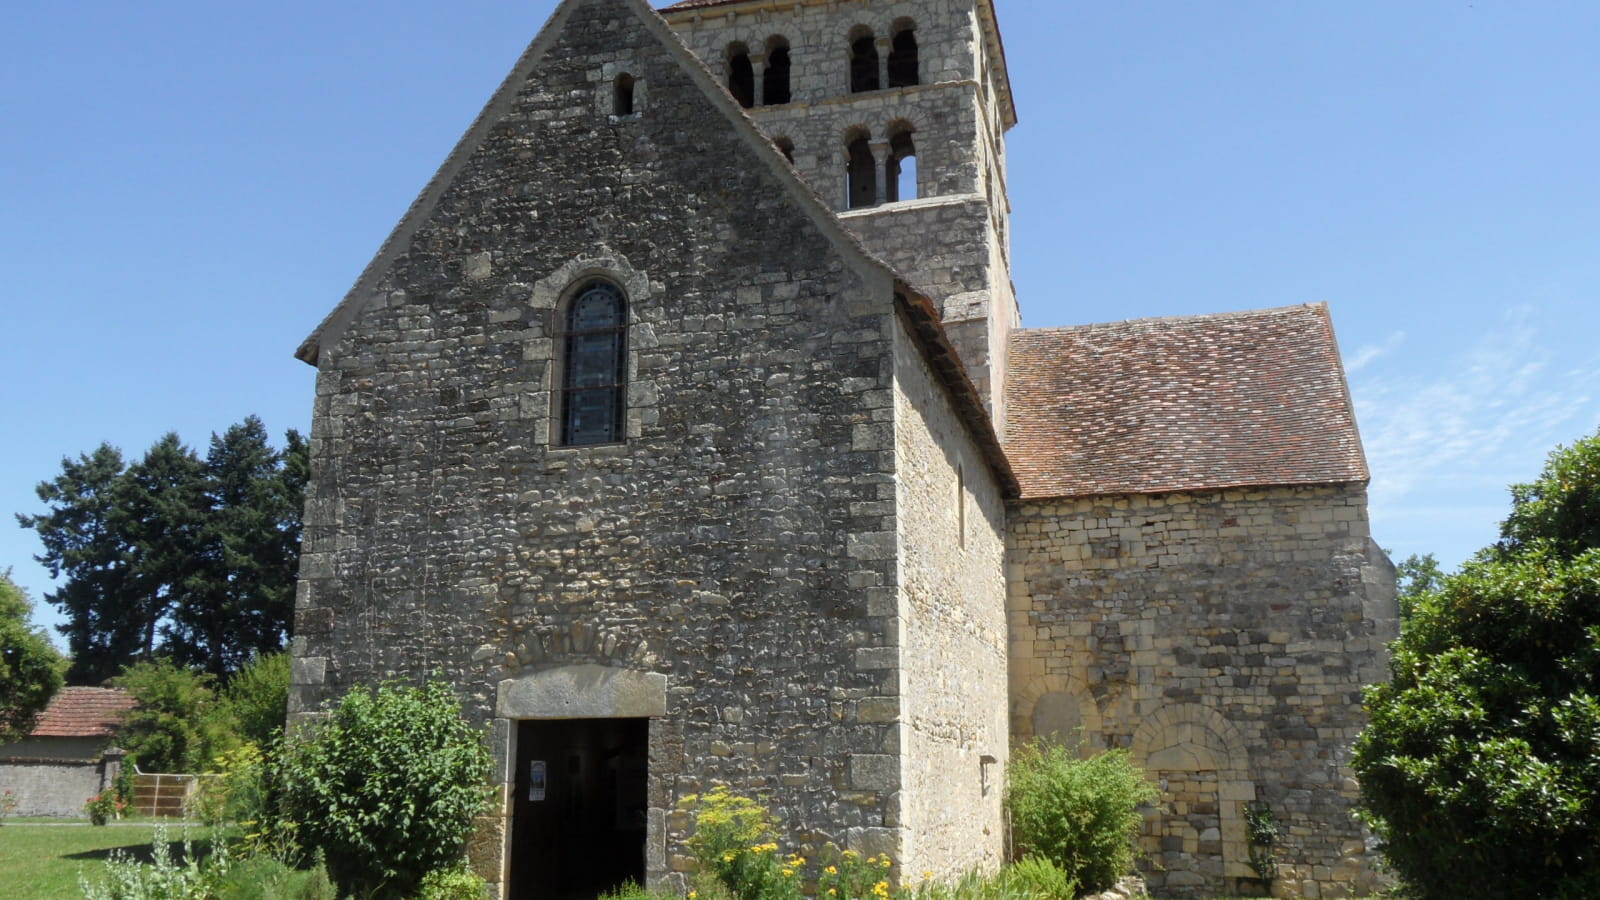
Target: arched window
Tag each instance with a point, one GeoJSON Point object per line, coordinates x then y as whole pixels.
{"type": "Point", "coordinates": [903, 56]}
{"type": "Point", "coordinates": [622, 96]}
{"type": "Point", "coordinates": [786, 147]}
{"type": "Point", "coordinates": [863, 61]}
{"type": "Point", "coordinates": [595, 365]}
{"type": "Point", "coordinates": [900, 170]}
{"type": "Point", "coordinates": [863, 172]}
{"type": "Point", "coordinates": [775, 84]}
{"type": "Point", "coordinates": [741, 75]}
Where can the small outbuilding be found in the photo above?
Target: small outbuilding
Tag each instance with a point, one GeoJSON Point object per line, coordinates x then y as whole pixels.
{"type": "Point", "coordinates": [69, 756]}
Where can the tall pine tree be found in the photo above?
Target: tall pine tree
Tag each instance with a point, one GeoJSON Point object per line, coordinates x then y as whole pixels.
{"type": "Point", "coordinates": [175, 556]}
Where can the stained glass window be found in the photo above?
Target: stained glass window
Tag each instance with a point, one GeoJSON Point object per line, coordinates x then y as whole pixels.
{"type": "Point", "coordinates": [596, 366]}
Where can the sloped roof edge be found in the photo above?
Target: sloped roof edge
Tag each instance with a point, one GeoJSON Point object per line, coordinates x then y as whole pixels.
{"type": "Point", "coordinates": [1182, 404]}
{"type": "Point", "coordinates": [393, 246]}
{"type": "Point", "coordinates": [928, 330]}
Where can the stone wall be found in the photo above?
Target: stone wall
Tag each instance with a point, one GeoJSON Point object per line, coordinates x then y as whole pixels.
{"type": "Point", "coordinates": [55, 787]}
{"type": "Point", "coordinates": [951, 242]}
{"type": "Point", "coordinates": [1223, 638]}
{"type": "Point", "coordinates": [729, 570]}
{"type": "Point", "coordinates": [954, 733]}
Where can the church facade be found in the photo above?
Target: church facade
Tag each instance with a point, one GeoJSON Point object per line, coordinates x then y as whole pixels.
{"type": "Point", "coordinates": [686, 425]}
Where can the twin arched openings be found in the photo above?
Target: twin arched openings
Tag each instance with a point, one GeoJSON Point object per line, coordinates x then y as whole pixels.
{"type": "Point", "coordinates": [866, 71]}
{"type": "Point", "coordinates": [899, 167]}
{"type": "Point", "coordinates": [774, 89]}
{"type": "Point", "coordinates": [594, 365]}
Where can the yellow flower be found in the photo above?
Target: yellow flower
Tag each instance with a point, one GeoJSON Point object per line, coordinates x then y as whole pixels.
{"type": "Point", "coordinates": [881, 889]}
{"type": "Point", "coordinates": [787, 873]}
{"type": "Point", "coordinates": [728, 857]}
{"type": "Point", "coordinates": [693, 895]}
{"type": "Point", "coordinates": [832, 870]}
{"type": "Point", "coordinates": [851, 854]}
{"type": "Point", "coordinates": [832, 892]}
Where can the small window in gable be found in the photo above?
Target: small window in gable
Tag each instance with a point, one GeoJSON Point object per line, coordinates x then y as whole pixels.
{"type": "Point", "coordinates": [622, 95]}
{"type": "Point", "coordinates": [863, 61]}
{"type": "Point", "coordinates": [775, 83]}
{"type": "Point", "coordinates": [786, 147]}
{"type": "Point", "coordinates": [741, 75]}
{"type": "Point", "coordinates": [903, 56]}
{"type": "Point", "coordinates": [594, 365]}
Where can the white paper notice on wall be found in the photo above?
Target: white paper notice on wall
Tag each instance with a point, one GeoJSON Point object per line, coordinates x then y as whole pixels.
{"type": "Point", "coordinates": [536, 774]}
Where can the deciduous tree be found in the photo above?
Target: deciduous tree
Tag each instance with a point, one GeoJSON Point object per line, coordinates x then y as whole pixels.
{"type": "Point", "coordinates": [30, 667]}
{"type": "Point", "coordinates": [1481, 765]}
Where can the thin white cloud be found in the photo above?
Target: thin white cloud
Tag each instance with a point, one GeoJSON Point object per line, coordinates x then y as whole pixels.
{"type": "Point", "coordinates": [1446, 432]}
{"type": "Point", "coordinates": [1366, 353]}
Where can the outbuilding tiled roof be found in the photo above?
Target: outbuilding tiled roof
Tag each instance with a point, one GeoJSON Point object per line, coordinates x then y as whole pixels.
{"type": "Point", "coordinates": [1181, 404]}
{"type": "Point", "coordinates": [83, 712]}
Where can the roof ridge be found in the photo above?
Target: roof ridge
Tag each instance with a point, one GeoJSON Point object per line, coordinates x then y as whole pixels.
{"type": "Point", "coordinates": [1262, 312]}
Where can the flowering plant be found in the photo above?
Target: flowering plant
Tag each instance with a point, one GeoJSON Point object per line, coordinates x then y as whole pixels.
{"type": "Point", "coordinates": [103, 807]}
{"type": "Point", "coordinates": [8, 804]}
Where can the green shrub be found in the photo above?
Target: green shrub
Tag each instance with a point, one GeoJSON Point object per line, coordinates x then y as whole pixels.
{"type": "Point", "coordinates": [176, 726]}
{"type": "Point", "coordinates": [387, 787]}
{"type": "Point", "coordinates": [455, 883]}
{"type": "Point", "coordinates": [1081, 814]}
{"type": "Point", "coordinates": [1037, 878]}
{"type": "Point", "coordinates": [257, 698]}
{"type": "Point", "coordinates": [1480, 762]}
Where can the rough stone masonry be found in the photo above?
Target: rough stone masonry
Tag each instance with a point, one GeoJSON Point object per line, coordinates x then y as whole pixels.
{"type": "Point", "coordinates": [691, 452]}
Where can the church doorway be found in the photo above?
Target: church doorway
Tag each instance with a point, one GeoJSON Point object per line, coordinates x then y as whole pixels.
{"type": "Point", "coordinates": [579, 809]}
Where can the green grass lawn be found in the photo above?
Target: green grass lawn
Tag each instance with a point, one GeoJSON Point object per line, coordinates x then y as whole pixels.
{"type": "Point", "coordinates": [42, 861]}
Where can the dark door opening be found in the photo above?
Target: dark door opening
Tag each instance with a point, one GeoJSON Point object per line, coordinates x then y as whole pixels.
{"type": "Point", "coordinates": [578, 816]}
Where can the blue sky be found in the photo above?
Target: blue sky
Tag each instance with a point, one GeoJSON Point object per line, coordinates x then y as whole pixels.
{"type": "Point", "coordinates": [190, 187]}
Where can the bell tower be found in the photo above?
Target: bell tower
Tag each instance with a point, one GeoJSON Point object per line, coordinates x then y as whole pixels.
{"type": "Point", "coordinates": [896, 112]}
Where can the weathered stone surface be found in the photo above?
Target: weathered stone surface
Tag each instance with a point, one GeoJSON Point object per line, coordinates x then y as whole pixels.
{"type": "Point", "coordinates": [1225, 645]}
{"type": "Point", "coordinates": [802, 560]}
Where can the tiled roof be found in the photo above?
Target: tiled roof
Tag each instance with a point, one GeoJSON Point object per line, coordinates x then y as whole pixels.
{"type": "Point", "coordinates": [83, 712]}
{"type": "Point", "coordinates": [1181, 404]}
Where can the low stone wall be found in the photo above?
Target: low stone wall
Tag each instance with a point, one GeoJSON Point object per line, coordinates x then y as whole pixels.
{"type": "Point", "coordinates": [52, 787]}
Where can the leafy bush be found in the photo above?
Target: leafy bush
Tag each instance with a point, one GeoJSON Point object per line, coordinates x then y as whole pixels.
{"type": "Point", "coordinates": [387, 787]}
{"type": "Point", "coordinates": [457, 883]}
{"type": "Point", "coordinates": [257, 698]}
{"type": "Point", "coordinates": [176, 726]}
{"type": "Point", "coordinates": [1480, 763]}
{"type": "Point", "coordinates": [31, 669]}
{"type": "Point", "coordinates": [1080, 814]}
{"type": "Point", "coordinates": [1037, 878]}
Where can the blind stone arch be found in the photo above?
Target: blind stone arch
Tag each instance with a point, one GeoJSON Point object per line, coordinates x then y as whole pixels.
{"type": "Point", "coordinates": [1195, 756]}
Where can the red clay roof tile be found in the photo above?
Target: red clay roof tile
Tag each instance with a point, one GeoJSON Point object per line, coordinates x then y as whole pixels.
{"type": "Point", "coordinates": [83, 712]}
{"type": "Point", "coordinates": [1181, 404]}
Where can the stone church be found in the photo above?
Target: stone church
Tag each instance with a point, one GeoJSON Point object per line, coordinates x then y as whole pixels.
{"type": "Point", "coordinates": [687, 425]}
